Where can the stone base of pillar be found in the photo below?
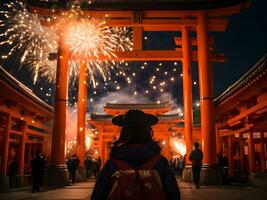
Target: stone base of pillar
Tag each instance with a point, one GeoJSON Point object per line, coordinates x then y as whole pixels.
{"type": "Point", "coordinates": [258, 180]}
{"type": "Point", "coordinates": [187, 174]}
{"type": "Point", "coordinates": [211, 175]}
{"type": "Point", "coordinates": [81, 174]}
{"type": "Point", "coordinates": [21, 181]}
{"type": "Point", "coordinates": [56, 176]}
{"type": "Point", "coordinates": [4, 183]}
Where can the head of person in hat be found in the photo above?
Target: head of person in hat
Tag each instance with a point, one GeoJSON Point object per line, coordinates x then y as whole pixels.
{"type": "Point", "coordinates": [136, 127]}
{"type": "Point", "coordinates": [136, 147]}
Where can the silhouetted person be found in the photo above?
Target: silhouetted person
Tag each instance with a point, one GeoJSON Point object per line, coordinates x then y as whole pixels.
{"type": "Point", "coordinates": [177, 166]}
{"type": "Point", "coordinates": [68, 163]}
{"type": "Point", "coordinates": [38, 167]}
{"type": "Point", "coordinates": [225, 163]}
{"type": "Point", "coordinates": [220, 159]}
{"type": "Point", "coordinates": [220, 164]}
{"type": "Point", "coordinates": [136, 149]}
{"type": "Point", "coordinates": [196, 157]}
{"type": "Point", "coordinates": [172, 164]}
{"type": "Point", "coordinates": [12, 170]}
{"type": "Point", "coordinates": [88, 166]}
{"type": "Point", "coordinates": [94, 167]}
{"type": "Point", "coordinates": [74, 163]}
{"type": "Point", "coordinates": [98, 166]}
{"type": "Point", "coordinates": [181, 165]}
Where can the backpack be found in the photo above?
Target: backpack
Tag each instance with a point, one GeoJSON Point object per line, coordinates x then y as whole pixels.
{"type": "Point", "coordinates": [129, 183]}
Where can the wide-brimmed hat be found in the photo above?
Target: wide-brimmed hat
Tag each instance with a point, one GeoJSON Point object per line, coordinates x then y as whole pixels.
{"type": "Point", "coordinates": [135, 118]}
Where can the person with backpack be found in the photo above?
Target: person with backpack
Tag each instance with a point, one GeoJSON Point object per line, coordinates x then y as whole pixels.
{"type": "Point", "coordinates": [136, 169]}
{"type": "Point", "coordinates": [196, 157]}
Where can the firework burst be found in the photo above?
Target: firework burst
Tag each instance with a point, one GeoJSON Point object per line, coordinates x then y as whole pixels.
{"type": "Point", "coordinates": [124, 38]}
{"type": "Point", "coordinates": [25, 37]}
{"type": "Point", "coordinates": [88, 39]}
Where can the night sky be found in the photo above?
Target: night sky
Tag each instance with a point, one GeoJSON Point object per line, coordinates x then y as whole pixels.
{"type": "Point", "coordinates": [243, 43]}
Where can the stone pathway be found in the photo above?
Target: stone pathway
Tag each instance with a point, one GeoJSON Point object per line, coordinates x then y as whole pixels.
{"type": "Point", "coordinates": [82, 191]}
{"type": "Point", "coordinates": [78, 191]}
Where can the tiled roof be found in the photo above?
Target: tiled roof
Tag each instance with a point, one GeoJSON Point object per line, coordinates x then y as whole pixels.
{"type": "Point", "coordinates": [139, 106]}
{"type": "Point", "coordinates": [259, 68]}
{"type": "Point", "coordinates": [22, 89]}
{"type": "Point", "coordinates": [98, 117]}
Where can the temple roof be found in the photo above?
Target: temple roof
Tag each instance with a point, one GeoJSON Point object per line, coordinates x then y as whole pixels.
{"type": "Point", "coordinates": [136, 106]}
{"type": "Point", "coordinates": [138, 4]}
{"type": "Point", "coordinates": [22, 89]}
{"type": "Point", "coordinates": [257, 70]}
{"type": "Point", "coordinates": [107, 118]}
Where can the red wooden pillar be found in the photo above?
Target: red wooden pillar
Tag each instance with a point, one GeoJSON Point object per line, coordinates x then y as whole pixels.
{"type": "Point", "coordinates": [22, 150]}
{"type": "Point", "coordinates": [206, 93]}
{"type": "Point", "coordinates": [241, 153]}
{"type": "Point", "coordinates": [4, 151]}
{"type": "Point", "coordinates": [230, 154]}
{"type": "Point", "coordinates": [101, 147]}
{"type": "Point", "coordinates": [168, 153]}
{"type": "Point", "coordinates": [137, 38]}
{"type": "Point", "coordinates": [81, 122]}
{"type": "Point", "coordinates": [263, 155]}
{"type": "Point", "coordinates": [59, 126]}
{"type": "Point", "coordinates": [106, 152]}
{"type": "Point", "coordinates": [57, 174]}
{"type": "Point", "coordinates": [187, 90]}
{"type": "Point", "coordinates": [251, 159]}
{"type": "Point", "coordinates": [218, 140]}
{"type": "Point", "coordinates": [5, 146]}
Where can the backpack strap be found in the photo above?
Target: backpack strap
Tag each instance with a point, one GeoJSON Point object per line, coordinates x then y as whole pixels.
{"type": "Point", "coordinates": [121, 164]}
{"type": "Point", "coordinates": [151, 162]}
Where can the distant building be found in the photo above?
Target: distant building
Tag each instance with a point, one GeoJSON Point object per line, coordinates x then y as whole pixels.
{"type": "Point", "coordinates": [25, 126]}
{"type": "Point", "coordinates": [241, 115]}
{"type": "Point", "coordinates": [106, 132]}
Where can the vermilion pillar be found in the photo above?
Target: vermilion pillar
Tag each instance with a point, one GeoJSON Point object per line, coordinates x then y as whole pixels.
{"type": "Point", "coordinates": [206, 93]}
{"type": "Point", "coordinates": [168, 153]}
{"type": "Point", "coordinates": [81, 122]}
{"type": "Point", "coordinates": [241, 153]}
{"type": "Point", "coordinates": [59, 126]}
{"type": "Point", "coordinates": [106, 152]}
{"type": "Point", "coordinates": [187, 90]}
{"type": "Point", "coordinates": [5, 146]}
{"type": "Point", "coordinates": [218, 139]}
{"type": "Point", "coordinates": [101, 146]}
{"type": "Point", "coordinates": [22, 150]}
{"type": "Point", "coordinates": [137, 38]}
{"type": "Point", "coordinates": [263, 156]}
{"type": "Point", "coordinates": [251, 159]}
{"type": "Point", "coordinates": [230, 154]}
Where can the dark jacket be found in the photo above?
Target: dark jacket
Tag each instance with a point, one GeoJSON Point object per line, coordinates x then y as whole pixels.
{"type": "Point", "coordinates": [88, 163]}
{"type": "Point", "coordinates": [136, 155]}
{"type": "Point", "coordinates": [196, 157]}
{"type": "Point", "coordinates": [38, 166]}
{"type": "Point", "coordinates": [12, 169]}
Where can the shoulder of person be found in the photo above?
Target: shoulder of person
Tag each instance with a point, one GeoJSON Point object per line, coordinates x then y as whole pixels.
{"type": "Point", "coordinates": [163, 161]}
{"type": "Point", "coordinates": [192, 151]}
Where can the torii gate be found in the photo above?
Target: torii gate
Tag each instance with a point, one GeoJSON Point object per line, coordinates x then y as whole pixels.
{"type": "Point", "coordinates": [180, 15]}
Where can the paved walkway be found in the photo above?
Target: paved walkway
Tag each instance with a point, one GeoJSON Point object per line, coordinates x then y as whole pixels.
{"type": "Point", "coordinates": [82, 191]}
